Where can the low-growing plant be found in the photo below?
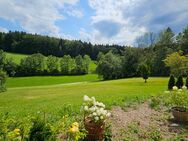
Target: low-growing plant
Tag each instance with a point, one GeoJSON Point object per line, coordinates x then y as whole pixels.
{"type": "Point", "coordinates": [3, 77]}
{"type": "Point", "coordinates": [186, 83]}
{"type": "Point", "coordinates": [154, 134]}
{"type": "Point", "coordinates": [108, 133]}
{"type": "Point", "coordinates": [40, 131]}
{"type": "Point", "coordinates": [179, 97]}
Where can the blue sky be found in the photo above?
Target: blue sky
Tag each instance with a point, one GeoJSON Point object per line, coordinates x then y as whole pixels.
{"type": "Point", "coordinates": [97, 21]}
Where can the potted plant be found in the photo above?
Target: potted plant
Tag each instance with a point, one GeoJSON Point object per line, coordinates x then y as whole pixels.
{"type": "Point", "coordinates": [95, 116]}
{"type": "Point", "coordinates": [179, 101]}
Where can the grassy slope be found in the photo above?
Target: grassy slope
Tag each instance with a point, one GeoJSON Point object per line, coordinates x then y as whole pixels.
{"type": "Point", "coordinates": [15, 57]}
{"type": "Point", "coordinates": [21, 101]}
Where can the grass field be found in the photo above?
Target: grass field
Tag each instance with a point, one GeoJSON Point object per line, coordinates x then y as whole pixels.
{"type": "Point", "coordinates": [21, 101]}
{"type": "Point", "coordinates": [15, 57]}
{"type": "Point", "coordinates": [48, 80]}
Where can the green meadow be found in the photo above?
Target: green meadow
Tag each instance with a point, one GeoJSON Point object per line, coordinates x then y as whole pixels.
{"type": "Point", "coordinates": [51, 94]}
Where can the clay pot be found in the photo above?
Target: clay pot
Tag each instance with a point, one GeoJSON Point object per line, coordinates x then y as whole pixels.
{"type": "Point", "coordinates": [95, 130]}
{"type": "Point", "coordinates": [180, 114]}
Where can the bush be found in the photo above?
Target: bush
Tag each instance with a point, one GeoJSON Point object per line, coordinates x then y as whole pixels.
{"type": "Point", "coordinates": [40, 131]}
{"type": "Point", "coordinates": [3, 77]}
{"type": "Point", "coordinates": [186, 84]}
{"type": "Point", "coordinates": [171, 82]}
{"type": "Point", "coordinates": [179, 82]}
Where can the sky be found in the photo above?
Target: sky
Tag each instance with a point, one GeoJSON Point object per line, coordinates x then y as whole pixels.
{"type": "Point", "coordinates": [96, 21]}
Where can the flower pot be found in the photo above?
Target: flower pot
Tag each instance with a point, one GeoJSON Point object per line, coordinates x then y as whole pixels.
{"type": "Point", "coordinates": [180, 114]}
{"type": "Point", "coordinates": [95, 130]}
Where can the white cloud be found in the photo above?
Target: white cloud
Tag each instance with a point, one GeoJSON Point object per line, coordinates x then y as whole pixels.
{"type": "Point", "coordinates": [35, 16]}
{"type": "Point", "coordinates": [2, 29]}
{"type": "Point", "coordinates": [122, 21]}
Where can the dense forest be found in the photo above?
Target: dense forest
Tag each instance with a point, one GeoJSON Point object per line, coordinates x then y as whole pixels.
{"type": "Point", "coordinates": [114, 61]}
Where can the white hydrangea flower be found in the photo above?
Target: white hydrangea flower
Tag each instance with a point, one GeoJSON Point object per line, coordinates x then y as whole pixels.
{"type": "Point", "coordinates": [101, 117]}
{"type": "Point", "coordinates": [180, 90]}
{"type": "Point", "coordinates": [94, 114]}
{"type": "Point", "coordinates": [184, 87]}
{"type": "Point", "coordinates": [96, 118]}
{"type": "Point", "coordinates": [86, 98]}
{"type": "Point", "coordinates": [108, 114]}
{"type": "Point", "coordinates": [175, 88]}
{"type": "Point", "coordinates": [86, 108]}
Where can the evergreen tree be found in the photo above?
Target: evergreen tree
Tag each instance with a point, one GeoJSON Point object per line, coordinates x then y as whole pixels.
{"type": "Point", "coordinates": [179, 82]}
{"type": "Point", "coordinates": [171, 82]}
{"type": "Point", "coordinates": [144, 71]}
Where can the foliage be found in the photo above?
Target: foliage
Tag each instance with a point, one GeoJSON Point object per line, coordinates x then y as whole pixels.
{"type": "Point", "coordinates": [109, 66]}
{"type": "Point", "coordinates": [178, 97]}
{"type": "Point", "coordinates": [144, 71]}
{"type": "Point", "coordinates": [25, 43]}
{"type": "Point", "coordinates": [154, 134]}
{"type": "Point", "coordinates": [74, 132]}
{"type": "Point", "coordinates": [10, 67]}
{"type": "Point", "coordinates": [108, 133]}
{"type": "Point", "coordinates": [52, 64]}
{"type": "Point", "coordinates": [186, 83]}
{"type": "Point", "coordinates": [2, 59]}
{"type": "Point", "coordinates": [3, 77]}
{"type": "Point", "coordinates": [67, 64]}
{"type": "Point", "coordinates": [179, 82]}
{"type": "Point", "coordinates": [171, 82]}
{"type": "Point", "coordinates": [32, 65]}
{"type": "Point", "coordinates": [40, 131]}
{"type": "Point", "coordinates": [178, 63]}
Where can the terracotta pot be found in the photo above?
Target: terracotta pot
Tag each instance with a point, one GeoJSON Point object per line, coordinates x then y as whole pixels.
{"type": "Point", "coordinates": [180, 114]}
{"type": "Point", "coordinates": [95, 130]}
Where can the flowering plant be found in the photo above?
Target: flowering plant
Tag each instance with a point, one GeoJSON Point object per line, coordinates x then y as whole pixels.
{"type": "Point", "coordinates": [74, 133]}
{"type": "Point", "coordinates": [94, 110]}
{"type": "Point", "coordinates": [179, 97]}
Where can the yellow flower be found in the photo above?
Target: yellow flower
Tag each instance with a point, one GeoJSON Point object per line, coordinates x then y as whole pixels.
{"type": "Point", "coordinates": [75, 124]}
{"type": "Point", "coordinates": [74, 127]}
{"type": "Point", "coordinates": [17, 131]}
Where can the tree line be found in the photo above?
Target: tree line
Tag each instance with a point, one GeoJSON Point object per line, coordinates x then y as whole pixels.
{"type": "Point", "coordinates": [148, 60]}
{"type": "Point", "coordinates": [25, 43]}
{"type": "Point", "coordinates": [38, 64]}
{"type": "Point", "coordinates": [114, 61]}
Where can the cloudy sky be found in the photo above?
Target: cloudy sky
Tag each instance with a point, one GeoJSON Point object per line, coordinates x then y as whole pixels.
{"type": "Point", "coordinates": [97, 21]}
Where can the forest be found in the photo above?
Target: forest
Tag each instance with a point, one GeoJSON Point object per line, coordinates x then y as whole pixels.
{"type": "Point", "coordinates": [122, 61]}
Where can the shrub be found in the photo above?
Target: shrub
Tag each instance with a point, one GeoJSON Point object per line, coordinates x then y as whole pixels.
{"type": "Point", "coordinates": [186, 84]}
{"type": "Point", "coordinates": [179, 82]}
{"type": "Point", "coordinates": [3, 77]}
{"type": "Point", "coordinates": [171, 82]}
{"type": "Point", "coordinates": [40, 131]}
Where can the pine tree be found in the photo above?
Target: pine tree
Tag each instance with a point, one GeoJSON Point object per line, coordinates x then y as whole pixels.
{"type": "Point", "coordinates": [179, 82]}
{"type": "Point", "coordinates": [171, 82]}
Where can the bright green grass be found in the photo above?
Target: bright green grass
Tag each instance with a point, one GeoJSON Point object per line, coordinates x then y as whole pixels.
{"type": "Point", "coordinates": [48, 80]}
{"type": "Point", "coordinates": [16, 57]}
{"type": "Point", "coordinates": [22, 101]}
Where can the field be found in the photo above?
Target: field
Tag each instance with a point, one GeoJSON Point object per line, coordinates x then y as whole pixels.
{"type": "Point", "coordinates": [16, 57]}
{"type": "Point", "coordinates": [20, 101]}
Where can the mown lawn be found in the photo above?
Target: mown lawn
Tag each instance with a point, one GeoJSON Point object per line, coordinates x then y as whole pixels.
{"type": "Point", "coordinates": [48, 80]}
{"type": "Point", "coordinates": [51, 99]}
